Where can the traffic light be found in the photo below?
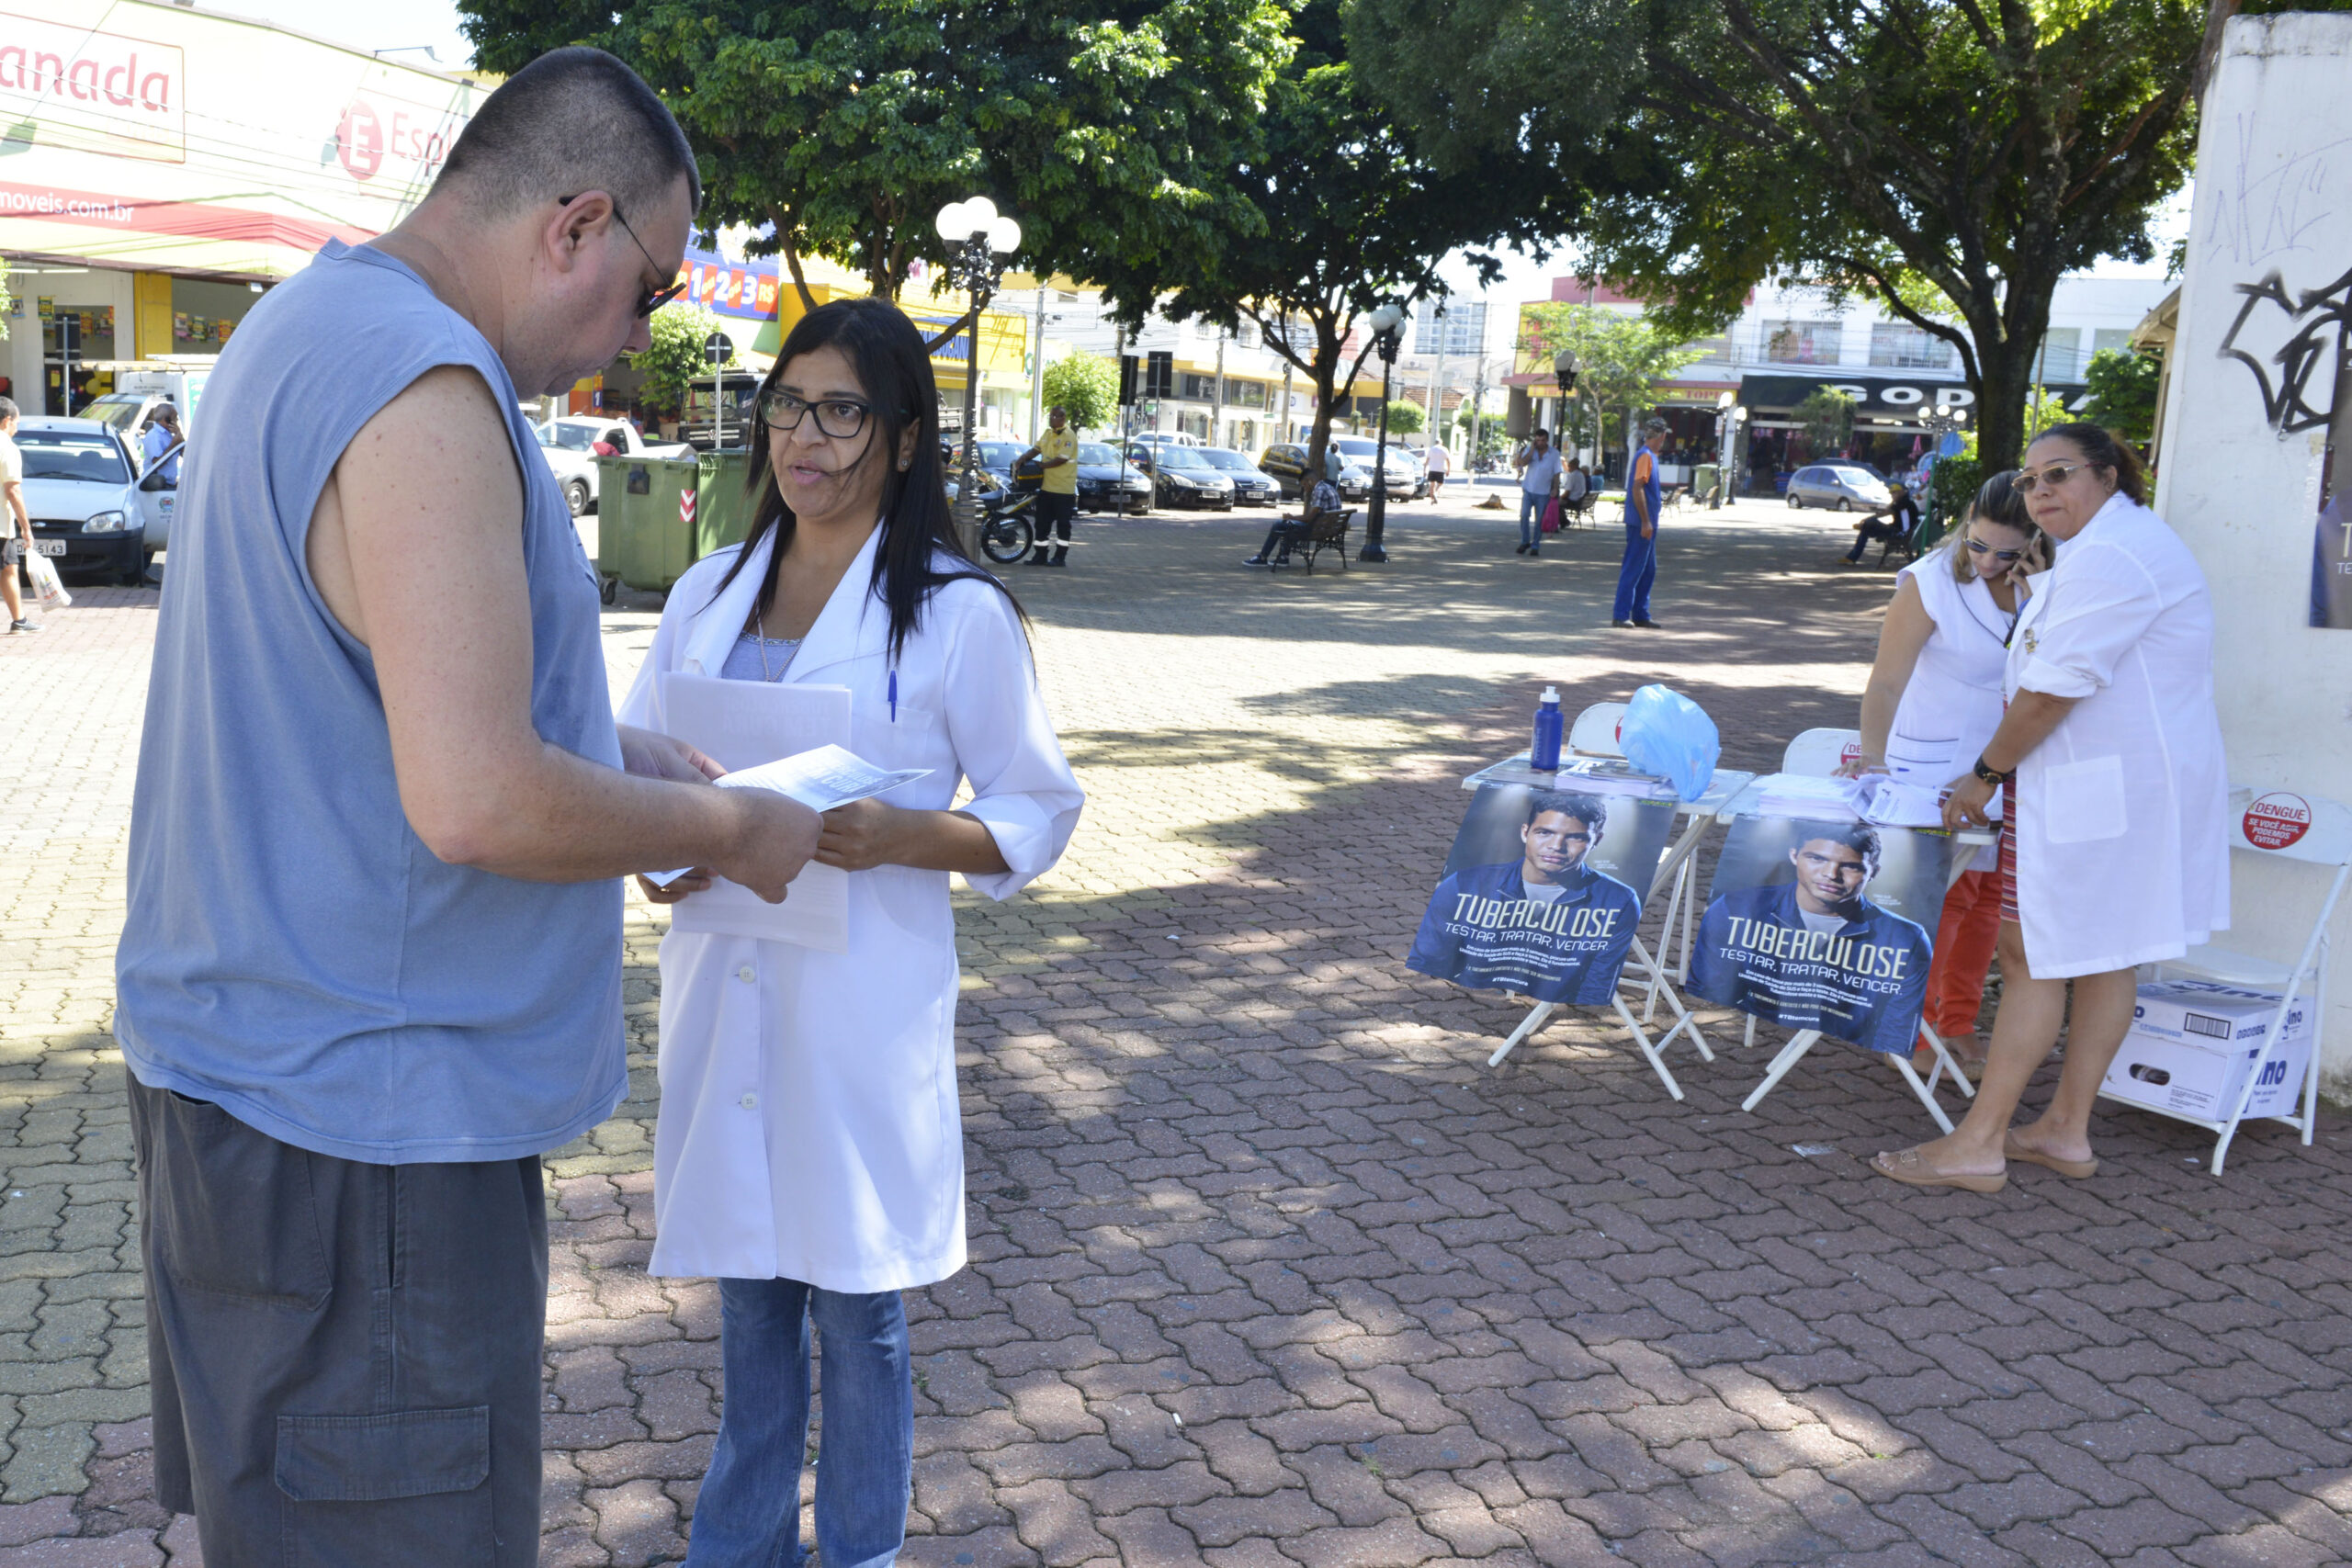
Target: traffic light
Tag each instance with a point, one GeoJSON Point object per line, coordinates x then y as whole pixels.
{"type": "Point", "coordinates": [1161, 377]}
{"type": "Point", "coordinates": [1128, 366]}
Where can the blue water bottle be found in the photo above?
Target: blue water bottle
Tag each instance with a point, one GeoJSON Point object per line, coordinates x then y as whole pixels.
{"type": "Point", "coordinates": [1543, 750]}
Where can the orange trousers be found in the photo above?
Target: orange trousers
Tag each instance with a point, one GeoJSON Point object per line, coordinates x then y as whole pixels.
{"type": "Point", "coordinates": [1966, 937]}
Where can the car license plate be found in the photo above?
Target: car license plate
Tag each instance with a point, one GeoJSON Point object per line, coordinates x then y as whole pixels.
{"type": "Point", "coordinates": [50, 547]}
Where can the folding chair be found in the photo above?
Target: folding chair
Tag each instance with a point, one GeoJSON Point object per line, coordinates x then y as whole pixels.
{"type": "Point", "coordinates": [2290, 825]}
{"type": "Point", "coordinates": [1820, 753]}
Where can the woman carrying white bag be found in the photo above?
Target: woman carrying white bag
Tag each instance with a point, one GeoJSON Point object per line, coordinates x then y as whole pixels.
{"type": "Point", "coordinates": [809, 1151]}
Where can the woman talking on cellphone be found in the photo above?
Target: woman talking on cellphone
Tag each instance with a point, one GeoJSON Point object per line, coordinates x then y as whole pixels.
{"type": "Point", "coordinates": [808, 1152]}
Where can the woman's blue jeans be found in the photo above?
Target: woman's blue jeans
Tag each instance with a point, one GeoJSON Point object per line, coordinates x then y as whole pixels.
{"type": "Point", "coordinates": [748, 1512]}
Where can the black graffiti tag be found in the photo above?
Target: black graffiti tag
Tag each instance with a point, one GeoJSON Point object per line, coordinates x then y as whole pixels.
{"type": "Point", "coordinates": [2299, 398]}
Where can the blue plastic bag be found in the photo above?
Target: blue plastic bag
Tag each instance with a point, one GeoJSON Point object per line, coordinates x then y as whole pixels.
{"type": "Point", "coordinates": [1668, 734]}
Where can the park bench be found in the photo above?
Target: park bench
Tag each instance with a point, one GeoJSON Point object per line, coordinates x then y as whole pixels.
{"type": "Point", "coordinates": [1329, 533]}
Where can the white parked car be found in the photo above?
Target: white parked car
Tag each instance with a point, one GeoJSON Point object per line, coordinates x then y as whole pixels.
{"type": "Point", "coordinates": [89, 510]}
{"type": "Point", "coordinates": [569, 445]}
{"type": "Point", "coordinates": [1841, 487]}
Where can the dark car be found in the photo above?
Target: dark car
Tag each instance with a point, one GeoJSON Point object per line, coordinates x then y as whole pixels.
{"type": "Point", "coordinates": [1286, 464]}
{"type": "Point", "coordinates": [1106, 484]}
{"type": "Point", "coordinates": [1251, 488]}
{"type": "Point", "coordinates": [1182, 476]}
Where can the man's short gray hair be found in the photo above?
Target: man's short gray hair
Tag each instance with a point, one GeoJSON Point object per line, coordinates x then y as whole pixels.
{"type": "Point", "coordinates": [7, 410]}
{"type": "Point", "coordinates": [571, 120]}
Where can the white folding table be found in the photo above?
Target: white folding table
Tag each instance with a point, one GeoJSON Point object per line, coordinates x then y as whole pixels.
{"type": "Point", "coordinates": [1643, 967]}
{"type": "Point", "coordinates": [1743, 803]}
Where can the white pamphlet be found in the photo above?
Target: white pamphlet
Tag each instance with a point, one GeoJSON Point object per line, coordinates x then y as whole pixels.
{"type": "Point", "coordinates": [819, 780]}
{"type": "Point", "coordinates": [743, 724]}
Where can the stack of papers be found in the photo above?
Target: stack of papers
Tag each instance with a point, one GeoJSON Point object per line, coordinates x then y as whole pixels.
{"type": "Point", "coordinates": [1808, 795]}
{"type": "Point", "coordinates": [1899, 805]}
{"type": "Point", "coordinates": [1607, 775]}
{"type": "Point", "coordinates": [819, 779]}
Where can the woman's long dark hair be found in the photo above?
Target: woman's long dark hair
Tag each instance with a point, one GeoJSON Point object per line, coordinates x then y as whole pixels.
{"type": "Point", "coordinates": [883, 346]}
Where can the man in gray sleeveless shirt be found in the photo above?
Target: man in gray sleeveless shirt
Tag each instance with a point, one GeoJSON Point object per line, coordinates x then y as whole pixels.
{"type": "Point", "coordinates": [372, 967]}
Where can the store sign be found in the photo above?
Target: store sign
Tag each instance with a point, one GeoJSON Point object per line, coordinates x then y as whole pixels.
{"type": "Point", "coordinates": [1873, 395]}
{"type": "Point", "coordinates": [95, 92]}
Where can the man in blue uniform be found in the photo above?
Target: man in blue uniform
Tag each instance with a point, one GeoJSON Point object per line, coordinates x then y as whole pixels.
{"type": "Point", "coordinates": [1546, 925]}
{"type": "Point", "coordinates": [1815, 953]}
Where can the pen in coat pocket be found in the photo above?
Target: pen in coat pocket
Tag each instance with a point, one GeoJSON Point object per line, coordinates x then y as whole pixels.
{"type": "Point", "coordinates": [894, 696]}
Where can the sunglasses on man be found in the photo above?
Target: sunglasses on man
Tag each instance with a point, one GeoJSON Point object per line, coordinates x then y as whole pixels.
{"type": "Point", "coordinates": [652, 299]}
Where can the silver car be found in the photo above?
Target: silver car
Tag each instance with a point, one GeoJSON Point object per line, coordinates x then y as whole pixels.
{"type": "Point", "coordinates": [1841, 487]}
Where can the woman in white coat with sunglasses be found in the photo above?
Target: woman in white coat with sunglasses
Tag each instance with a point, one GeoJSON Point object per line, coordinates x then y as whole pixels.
{"type": "Point", "coordinates": [809, 1151]}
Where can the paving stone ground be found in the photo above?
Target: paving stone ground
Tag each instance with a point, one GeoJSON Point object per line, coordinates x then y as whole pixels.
{"type": "Point", "coordinates": [1268, 1269]}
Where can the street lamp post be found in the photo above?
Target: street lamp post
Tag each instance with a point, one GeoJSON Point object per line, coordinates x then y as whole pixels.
{"type": "Point", "coordinates": [1385, 324]}
{"type": "Point", "coordinates": [1729, 417]}
{"type": "Point", "coordinates": [978, 239]}
{"type": "Point", "coordinates": [1943, 425]}
{"type": "Point", "coordinates": [1563, 370]}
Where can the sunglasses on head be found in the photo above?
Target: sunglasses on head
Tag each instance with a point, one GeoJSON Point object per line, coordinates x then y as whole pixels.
{"type": "Point", "coordinates": [2056, 474]}
{"type": "Point", "coordinates": [1980, 548]}
{"type": "Point", "coordinates": [650, 299]}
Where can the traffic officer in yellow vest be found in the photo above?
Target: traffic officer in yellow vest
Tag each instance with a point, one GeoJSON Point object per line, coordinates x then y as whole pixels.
{"type": "Point", "coordinates": [1057, 497]}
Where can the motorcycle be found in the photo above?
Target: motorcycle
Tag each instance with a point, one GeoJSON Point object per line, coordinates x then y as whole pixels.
{"type": "Point", "coordinates": [1008, 525]}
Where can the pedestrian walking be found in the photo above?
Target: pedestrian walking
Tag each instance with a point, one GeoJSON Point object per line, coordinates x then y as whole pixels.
{"type": "Point", "coordinates": [372, 963]}
{"type": "Point", "coordinates": [1933, 702]}
{"type": "Point", "coordinates": [161, 443]}
{"type": "Point", "coordinates": [1644, 496]}
{"type": "Point", "coordinates": [1057, 502]}
{"type": "Point", "coordinates": [841, 1182]}
{"type": "Point", "coordinates": [1438, 463]}
{"type": "Point", "coordinates": [1539, 486]}
{"type": "Point", "coordinates": [2115, 848]}
{"type": "Point", "coordinates": [17, 542]}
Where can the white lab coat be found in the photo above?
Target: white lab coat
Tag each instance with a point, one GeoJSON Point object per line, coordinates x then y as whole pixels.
{"type": "Point", "coordinates": [810, 1128]}
{"type": "Point", "coordinates": [1951, 704]}
{"type": "Point", "coordinates": [2121, 823]}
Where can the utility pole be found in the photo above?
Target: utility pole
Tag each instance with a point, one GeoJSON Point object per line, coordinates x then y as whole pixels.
{"type": "Point", "coordinates": [1216, 400]}
{"type": "Point", "coordinates": [1037, 369]}
{"type": "Point", "coordinates": [1437, 381]}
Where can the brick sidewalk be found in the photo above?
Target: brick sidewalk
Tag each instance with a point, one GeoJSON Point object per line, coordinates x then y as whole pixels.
{"type": "Point", "coordinates": [1268, 1267]}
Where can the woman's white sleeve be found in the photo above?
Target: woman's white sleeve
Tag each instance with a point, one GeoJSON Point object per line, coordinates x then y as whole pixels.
{"type": "Point", "coordinates": [642, 705]}
{"type": "Point", "coordinates": [2095, 611]}
{"type": "Point", "coordinates": [1022, 784]}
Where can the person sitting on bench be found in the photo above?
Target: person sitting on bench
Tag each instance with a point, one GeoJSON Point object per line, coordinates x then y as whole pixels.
{"type": "Point", "coordinates": [1321, 502]}
{"type": "Point", "coordinates": [1894, 525]}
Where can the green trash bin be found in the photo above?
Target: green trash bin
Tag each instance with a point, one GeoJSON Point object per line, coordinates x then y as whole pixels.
{"type": "Point", "coordinates": [646, 509]}
{"type": "Point", "coordinates": [1704, 481]}
{"type": "Point", "coordinates": [722, 511]}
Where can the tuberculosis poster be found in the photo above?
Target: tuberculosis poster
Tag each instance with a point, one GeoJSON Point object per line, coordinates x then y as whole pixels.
{"type": "Point", "coordinates": [1542, 891]}
{"type": "Point", "coordinates": [1824, 925]}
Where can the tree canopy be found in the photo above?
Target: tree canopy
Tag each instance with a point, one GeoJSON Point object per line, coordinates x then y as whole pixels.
{"type": "Point", "coordinates": [1953, 158]}
{"type": "Point", "coordinates": [1329, 210]}
{"type": "Point", "coordinates": [2122, 388]}
{"type": "Point", "coordinates": [1621, 359]}
{"type": "Point", "coordinates": [1086, 388]}
{"type": "Point", "coordinates": [839, 128]}
{"type": "Point", "coordinates": [674, 358]}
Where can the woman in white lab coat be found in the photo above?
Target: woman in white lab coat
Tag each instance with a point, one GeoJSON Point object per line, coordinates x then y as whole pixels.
{"type": "Point", "coordinates": [1933, 701]}
{"type": "Point", "coordinates": [2116, 850]}
{"type": "Point", "coordinates": [809, 1151]}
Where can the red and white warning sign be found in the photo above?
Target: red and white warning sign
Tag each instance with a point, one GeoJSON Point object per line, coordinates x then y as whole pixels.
{"type": "Point", "coordinates": [685, 506]}
{"type": "Point", "coordinates": [1851, 754]}
{"type": "Point", "coordinates": [2277, 820]}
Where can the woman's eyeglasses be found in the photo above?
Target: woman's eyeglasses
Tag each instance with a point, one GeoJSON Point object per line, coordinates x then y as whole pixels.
{"type": "Point", "coordinates": [2056, 474]}
{"type": "Point", "coordinates": [840, 418]}
{"type": "Point", "coordinates": [1980, 548]}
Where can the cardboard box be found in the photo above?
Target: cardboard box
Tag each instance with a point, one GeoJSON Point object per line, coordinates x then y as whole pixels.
{"type": "Point", "coordinates": [2193, 1041]}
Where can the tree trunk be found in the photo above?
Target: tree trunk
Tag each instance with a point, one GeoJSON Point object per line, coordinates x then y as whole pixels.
{"type": "Point", "coordinates": [2004, 372]}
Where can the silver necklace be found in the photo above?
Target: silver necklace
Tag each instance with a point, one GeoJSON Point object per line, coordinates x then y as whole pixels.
{"type": "Point", "coordinates": [760, 636]}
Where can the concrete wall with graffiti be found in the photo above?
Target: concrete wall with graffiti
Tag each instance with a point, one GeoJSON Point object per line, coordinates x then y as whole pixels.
{"type": "Point", "coordinates": [2257, 446]}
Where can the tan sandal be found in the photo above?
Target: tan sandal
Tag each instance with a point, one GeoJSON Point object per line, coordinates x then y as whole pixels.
{"type": "Point", "coordinates": [1909, 1167]}
{"type": "Point", "coordinates": [2074, 1169]}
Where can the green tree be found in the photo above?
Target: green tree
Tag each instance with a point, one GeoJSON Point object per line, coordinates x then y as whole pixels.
{"type": "Point", "coordinates": [676, 357]}
{"type": "Point", "coordinates": [1919, 150]}
{"type": "Point", "coordinates": [1405, 417]}
{"type": "Point", "coordinates": [2124, 391]}
{"type": "Point", "coordinates": [1327, 211]}
{"type": "Point", "coordinates": [1621, 359]}
{"type": "Point", "coordinates": [1828, 416]}
{"type": "Point", "coordinates": [4, 300]}
{"type": "Point", "coordinates": [1086, 386]}
{"type": "Point", "coordinates": [839, 128]}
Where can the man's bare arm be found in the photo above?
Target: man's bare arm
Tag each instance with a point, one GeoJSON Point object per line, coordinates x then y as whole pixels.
{"type": "Point", "coordinates": [416, 547]}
